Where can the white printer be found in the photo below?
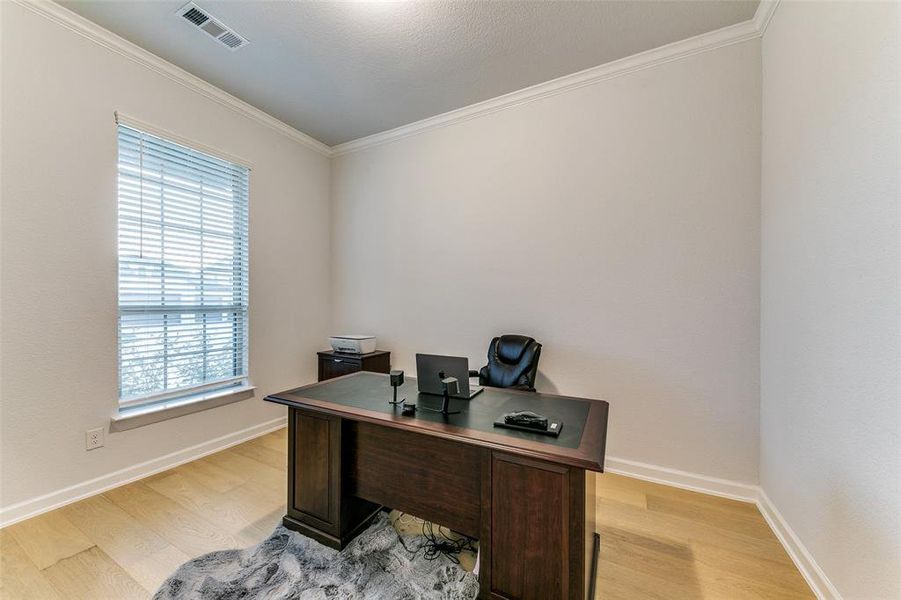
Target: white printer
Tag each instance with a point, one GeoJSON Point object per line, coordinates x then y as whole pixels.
{"type": "Point", "coordinates": [353, 344]}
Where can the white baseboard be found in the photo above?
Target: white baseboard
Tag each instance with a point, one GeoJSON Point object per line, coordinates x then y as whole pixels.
{"type": "Point", "coordinates": [817, 580]}
{"type": "Point", "coordinates": [714, 486]}
{"type": "Point", "coordinates": [35, 506]}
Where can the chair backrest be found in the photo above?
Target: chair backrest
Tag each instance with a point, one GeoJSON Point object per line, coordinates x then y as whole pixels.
{"type": "Point", "coordinates": [512, 362]}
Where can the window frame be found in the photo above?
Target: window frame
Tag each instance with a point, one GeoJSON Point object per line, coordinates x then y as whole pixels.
{"type": "Point", "coordinates": [202, 391]}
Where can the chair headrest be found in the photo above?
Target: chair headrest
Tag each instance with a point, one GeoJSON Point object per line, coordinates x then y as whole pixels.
{"type": "Point", "coordinates": [510, 348]}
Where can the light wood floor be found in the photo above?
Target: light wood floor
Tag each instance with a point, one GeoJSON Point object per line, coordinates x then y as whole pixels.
{"type": "Point", "coordinates": [657, 541]}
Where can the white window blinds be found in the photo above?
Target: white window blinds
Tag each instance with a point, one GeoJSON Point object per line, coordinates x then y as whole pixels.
{"type": "Point", "coordinates": [182, 269]}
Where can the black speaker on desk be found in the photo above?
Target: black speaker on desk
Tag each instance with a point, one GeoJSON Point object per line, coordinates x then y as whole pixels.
{"type": "Point", "coordinates": [397, 380]}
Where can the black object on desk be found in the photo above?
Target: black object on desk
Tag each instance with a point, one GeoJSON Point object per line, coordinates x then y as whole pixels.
{"type": "Point", "coordinates": [350, 453]}
{"type": "Point", "coordinates": [397, 380]}
{"type": "Point", "coordinates": [526, 420]}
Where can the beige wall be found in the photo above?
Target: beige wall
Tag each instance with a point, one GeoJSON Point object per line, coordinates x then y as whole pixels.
{"type": "Point", "coordinates": [59, 255]}
{"type": "Point", "coordinates": [831, 287]}
{"type": "Point", "coordinates": [617, 223]}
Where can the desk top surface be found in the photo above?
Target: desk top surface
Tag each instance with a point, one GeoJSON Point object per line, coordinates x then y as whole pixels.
{"type": "Point", "coordinates": [365, 396]}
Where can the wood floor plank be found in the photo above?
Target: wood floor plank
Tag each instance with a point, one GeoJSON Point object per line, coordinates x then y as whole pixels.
{"type": "Point", "coordinates": [276, 441]}
{"type": "Point", "coordinates": [623, 494]}
{"type": "Point", "coordinates": [715, 516]}
{"type": "Point", "coordinates": [49, 538]}
{"type": "Point", "coordinates": [210, 476]}
{"type": "Point", "coordinates": [262, 510]}
{"type": "Point", "coordinates": [186, 530]}
{"type": "Point", "coordinates": [178, 487]}
{"type": "Point", "coordinates": [257, 450]}
{"type": "Point", "coordinates": [245, 511]}
{"type": "Point", "coordinates": [152, 570]}
{"type": "Point", "coordinates": [19, 577]}
{"type": "Point", "coordinates": [677, 562]}
{"type": "Point", "coordinates": [717, 582]}
{"type": "Point", "coordinates": [122, 537]}
{"type": "Point", "coordinates": [146, 556]}
{"type": "Point", "coordinates": [609, 481]}
{"type": "Point", "coordinates": [622, 582]}
{"type": "Point", "coordinates": [631, 518]}
{"type": "Point", "coordinates": [244, 463]}
{"type": "Point", "coordinates": [92, 575]}
{"type": "Point", "coordinates": [252, 470]}
{"type": "Point", "coordinates": [777, 570]}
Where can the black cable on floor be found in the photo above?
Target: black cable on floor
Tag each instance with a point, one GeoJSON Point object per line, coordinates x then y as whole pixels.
{"type": "Point", "coordinates": [438, 544]}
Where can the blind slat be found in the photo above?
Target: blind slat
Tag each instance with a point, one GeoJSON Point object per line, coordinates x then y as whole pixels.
{"type": "Point", "coordinates": [183, 262]}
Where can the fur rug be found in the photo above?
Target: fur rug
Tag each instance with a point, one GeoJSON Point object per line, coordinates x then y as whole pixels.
{"type": "Point", "coordinates": [288, 565]}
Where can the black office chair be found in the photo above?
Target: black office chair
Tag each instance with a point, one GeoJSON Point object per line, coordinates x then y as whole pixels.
{"type": "Point", "coordinates": [512, 363]}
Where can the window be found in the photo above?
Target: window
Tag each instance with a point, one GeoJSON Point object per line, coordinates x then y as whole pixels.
{"type": "Point", "coordinates": [182, 270]}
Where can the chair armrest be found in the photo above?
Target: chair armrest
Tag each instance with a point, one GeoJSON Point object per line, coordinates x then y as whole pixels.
{"type": "Point", "coordinates": [473, 373]}
{"type": "Point", "coordinates": [522, 387]}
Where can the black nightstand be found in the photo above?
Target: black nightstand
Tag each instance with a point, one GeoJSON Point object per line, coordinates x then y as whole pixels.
{"type": "Point", "coordinates": [334, 364]}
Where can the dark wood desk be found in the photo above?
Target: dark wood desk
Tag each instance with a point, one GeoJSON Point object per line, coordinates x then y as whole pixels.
{"type": "Point", "coordinates": [528, 498]}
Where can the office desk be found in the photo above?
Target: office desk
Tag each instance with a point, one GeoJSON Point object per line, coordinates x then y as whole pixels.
{"type": "Point", "coordinates": [528, 498]}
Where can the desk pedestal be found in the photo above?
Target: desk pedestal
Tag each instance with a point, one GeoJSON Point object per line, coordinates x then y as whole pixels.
{"type": "Point", "coordinates": [529, 515]}
{"type": "Point", "coordinates": [319, 505]}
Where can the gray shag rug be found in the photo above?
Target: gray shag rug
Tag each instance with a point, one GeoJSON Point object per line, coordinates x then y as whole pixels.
{"type": "Point", "coordinates": [288, 565]}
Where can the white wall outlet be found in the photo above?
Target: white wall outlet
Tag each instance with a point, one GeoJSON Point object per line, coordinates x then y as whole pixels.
{"type": "Point", "coordinates": [93, 438]}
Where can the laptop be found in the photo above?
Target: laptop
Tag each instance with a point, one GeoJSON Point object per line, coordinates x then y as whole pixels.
{"type": "Point", "coordinates": [428, 366]}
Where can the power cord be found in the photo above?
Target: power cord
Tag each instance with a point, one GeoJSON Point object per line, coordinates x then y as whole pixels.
{"type": "Point", "coordinates": [437, 544]}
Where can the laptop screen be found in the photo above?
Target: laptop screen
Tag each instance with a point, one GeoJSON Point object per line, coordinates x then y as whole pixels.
{"type": "Point", "coordinates": [429, 366]}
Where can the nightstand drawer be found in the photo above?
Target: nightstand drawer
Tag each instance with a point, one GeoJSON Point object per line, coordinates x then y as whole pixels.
{"type": "Point", "coordinates": [335, 364]}
{"type": "Point", "coordinates": [336, 367]}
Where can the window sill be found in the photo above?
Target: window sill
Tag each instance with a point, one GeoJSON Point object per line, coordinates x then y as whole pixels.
{"type": "Point", "coordinates": [147, 414]}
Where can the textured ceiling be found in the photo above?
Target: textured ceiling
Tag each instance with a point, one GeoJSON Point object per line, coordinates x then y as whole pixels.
{"type": "Point", "coordinates": [339, 71]}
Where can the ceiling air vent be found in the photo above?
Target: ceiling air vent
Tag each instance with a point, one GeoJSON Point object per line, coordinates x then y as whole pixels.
{"type": "Point", "coordinates": [213, 27]}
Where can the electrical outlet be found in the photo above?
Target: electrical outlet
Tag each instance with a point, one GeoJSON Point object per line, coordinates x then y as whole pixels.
{"type": "Point", "coordinates": [93, 438]}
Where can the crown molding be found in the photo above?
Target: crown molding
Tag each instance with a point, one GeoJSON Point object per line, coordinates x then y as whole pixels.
{"type": "Point", "coordinates": [733, 34]}
{"type": "Point", "coordinates": [764, 14]}
{"type": "Point", "coordinates": [109, 40]}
